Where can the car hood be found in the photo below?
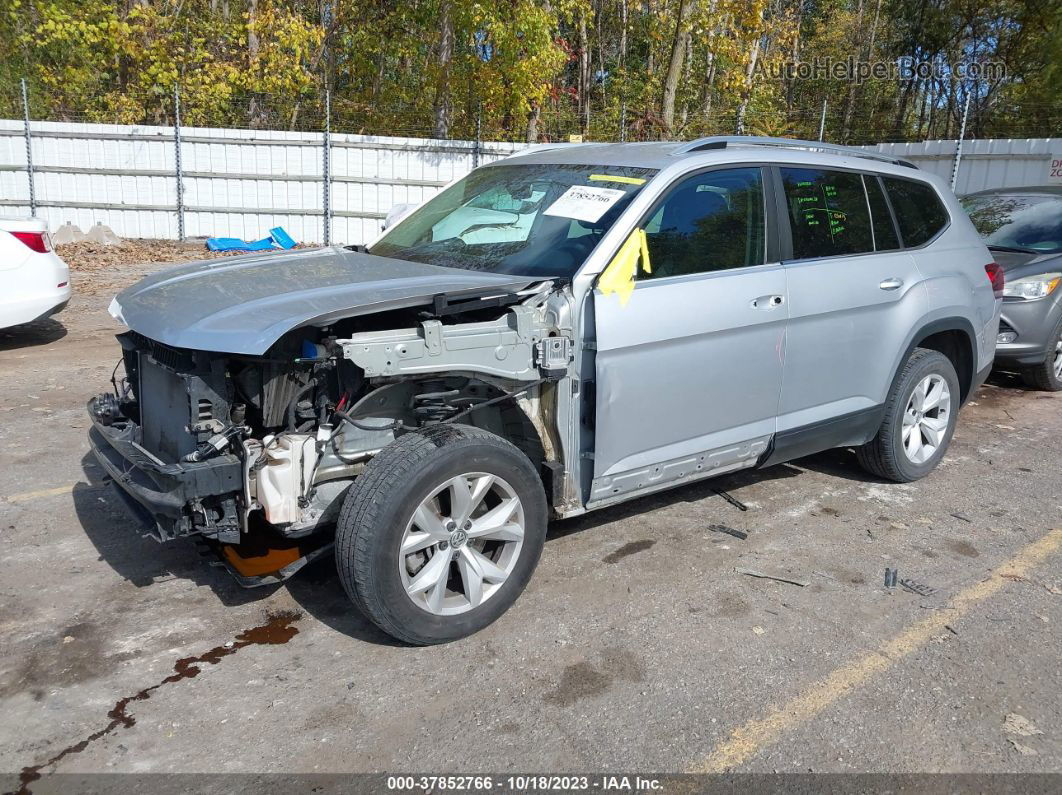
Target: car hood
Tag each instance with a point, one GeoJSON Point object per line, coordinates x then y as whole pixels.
{"type": "Point", "coordinates": [1019, 264]}
{"type": "Point", "coordinates": [245, 304]}
{"type": "Point", "coordinates": [1011, 259]}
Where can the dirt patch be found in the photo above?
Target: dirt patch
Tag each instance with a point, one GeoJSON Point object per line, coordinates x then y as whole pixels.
{"type": "Point", "coordinates": [730, 605]}
{"type": "Point", "coordinates": [98, 268]}
{"type": "Point", "coordinates": [964, 548]}
{"type": "Point", "coordinates": [75, 654]}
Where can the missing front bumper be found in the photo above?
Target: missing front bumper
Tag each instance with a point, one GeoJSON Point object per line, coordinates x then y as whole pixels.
{"type": "Point", "coordinates": [171, 500]}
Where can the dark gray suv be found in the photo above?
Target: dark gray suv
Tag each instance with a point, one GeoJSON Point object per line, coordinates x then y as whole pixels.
{"type": "Point", "coordinates": [1023, 229]}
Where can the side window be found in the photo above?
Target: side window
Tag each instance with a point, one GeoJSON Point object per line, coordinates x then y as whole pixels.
{"type": "Point", "coordinates": [918, 210]}
{"type": "Point", "coordinates": [885, 238]}
{"type": "Point", "coordinates": [827, 212]}
{"type": "Point", "coordinates": [708, 222]}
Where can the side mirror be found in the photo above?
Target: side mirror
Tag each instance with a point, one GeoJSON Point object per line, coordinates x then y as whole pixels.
{"type": "Point", "coordinates": [397, 213]}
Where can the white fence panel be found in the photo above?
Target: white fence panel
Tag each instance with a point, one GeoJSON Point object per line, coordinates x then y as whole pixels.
{"type": "Point", "coordinates": [241, 183]}
{"type": "Point", "coordinates": [985, 164]}
{"type": "Point", "coordinates": [237, 183]}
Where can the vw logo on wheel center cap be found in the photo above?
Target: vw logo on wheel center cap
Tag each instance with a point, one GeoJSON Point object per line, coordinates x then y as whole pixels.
{"type": "Point", "coordinates": [458, 538]}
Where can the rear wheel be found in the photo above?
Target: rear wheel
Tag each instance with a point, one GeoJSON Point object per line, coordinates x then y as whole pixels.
{"type": "Point", "coordinates": [920, 415]}
{"type": "Point", "coordinates": [1048, 376]}
{"type": "Point", "coordinates": [441, 533]}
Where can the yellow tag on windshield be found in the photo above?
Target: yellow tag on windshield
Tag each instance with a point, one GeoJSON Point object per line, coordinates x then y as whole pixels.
{"type": "Point", "coordinates": [617, 178]}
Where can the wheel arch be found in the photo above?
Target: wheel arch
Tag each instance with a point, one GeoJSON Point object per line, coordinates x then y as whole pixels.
{"type": "Point", "coordinates": [524, 420]}
{"type": "Point", "coordinates": [956, 339]}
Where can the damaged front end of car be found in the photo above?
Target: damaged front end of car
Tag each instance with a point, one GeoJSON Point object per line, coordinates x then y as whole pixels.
{"type": "Point", "coordinates": [252, 453]}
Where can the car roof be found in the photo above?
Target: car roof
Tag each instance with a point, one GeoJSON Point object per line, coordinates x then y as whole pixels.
{"type": "Point", "coordinates": [717, 149]}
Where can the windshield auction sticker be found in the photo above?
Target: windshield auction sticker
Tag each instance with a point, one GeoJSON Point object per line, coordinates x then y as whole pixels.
{"type": "Point", "coordinates": [584, 204]}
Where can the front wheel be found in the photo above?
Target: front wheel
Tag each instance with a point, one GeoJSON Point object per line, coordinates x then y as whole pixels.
{"type": "Point", "coordinates": [441, 533]}
{"type": "Point", "coordinates": [920, 415]}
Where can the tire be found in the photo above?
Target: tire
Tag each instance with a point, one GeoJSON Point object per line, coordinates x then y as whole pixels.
{"type": "Point", "coordinates": [1048, 375]}
{"type": "Point", "coordinates": [886, 454]}
{"type": "Point", "coordinates": [377, 519]}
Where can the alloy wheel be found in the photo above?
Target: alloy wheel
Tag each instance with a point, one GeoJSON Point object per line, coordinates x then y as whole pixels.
{"type": "Point", "coordinates": [925, 420]}
{"type": "Point", "coordinates": [461, 544]}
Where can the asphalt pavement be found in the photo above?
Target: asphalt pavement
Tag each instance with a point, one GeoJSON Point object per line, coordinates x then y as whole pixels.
{"type": "Point", "coordinates": [638, 646]}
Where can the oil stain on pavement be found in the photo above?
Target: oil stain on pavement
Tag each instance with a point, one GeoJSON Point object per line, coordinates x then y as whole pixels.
{"type": "Point", "coordinates": [278, 629]}
{"type": "Point", "coordinates": [583, 679]}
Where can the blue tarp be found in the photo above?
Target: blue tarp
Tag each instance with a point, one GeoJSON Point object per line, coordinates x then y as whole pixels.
{"type": "Point", "coordinates": [281, 238]}
{"type": "Point", "coordinates": [278, 238]}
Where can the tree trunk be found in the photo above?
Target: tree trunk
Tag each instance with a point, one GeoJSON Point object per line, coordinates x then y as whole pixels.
{"type": "Point", "coordinates": [584, 76]}
{"type": "Point", "coordinates": [255, 112]}
{"type": "Point", "coordinates": [849, 102]}
{"type": "Point", "coordinates": [443, 105]}
{"type": "Point", "coordinates": [709, 87]}
{"type": "Point", "coordinates": [794, 55]}
{"type": "Point", "coordinates": [750, 73]}
{"type": "Point", "coordinates": [934, 97]}
{"type": "Point", "coordinates": [709, 58]}
{"type": "Point", "coordinates": [901, 109]}
{"type": "Point", "coordinates": [923, 101]}
{"type": "Point", "coordinates": [532, 122]}
{"type": "Point", "coordinates": [674, 69]}
{"type": "Point", "coordinates": [599, 27]}
{"type": "Point", "coordinates": [687, 69]}
{"type": "Point", "coordinates": [650, 57]}
{"type": "Point", "coordinates": [868, 56]}
{"type": "Point", "coordinates": [252, 37]}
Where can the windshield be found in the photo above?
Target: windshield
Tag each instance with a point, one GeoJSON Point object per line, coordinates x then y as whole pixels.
{"type": "Point", "coordinates": [1031, 221]}
{"type": "Point", "coordinates": [530, 220]}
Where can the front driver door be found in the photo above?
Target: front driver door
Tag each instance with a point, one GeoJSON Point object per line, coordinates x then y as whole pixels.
{"type": "Point", "coordinates": [689, 366]}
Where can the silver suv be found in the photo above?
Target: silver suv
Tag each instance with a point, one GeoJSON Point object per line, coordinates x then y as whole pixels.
{"type": "Point", "coordinates": [557, 332]}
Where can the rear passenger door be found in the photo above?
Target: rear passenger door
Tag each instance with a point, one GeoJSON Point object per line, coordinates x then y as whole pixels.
{"type": "Point", "coordinates": [853, 297]}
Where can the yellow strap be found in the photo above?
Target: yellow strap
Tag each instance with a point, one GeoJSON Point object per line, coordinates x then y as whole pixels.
{"type": "Point", "coordinates": [617, 178]}
{"type": "Point", "coordinates": [618, 277]}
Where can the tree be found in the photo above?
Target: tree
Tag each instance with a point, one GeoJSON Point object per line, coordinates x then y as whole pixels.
{"type": "Point", "coordinates": [679, 45]}
{"type": "Point", "coordinates": [445, 50]}
{"type": "Point", "coordinates": [538, 69]}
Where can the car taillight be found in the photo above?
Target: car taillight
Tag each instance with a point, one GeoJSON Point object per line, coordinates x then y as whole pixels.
{"type": "Point", "coordinates": [38, 241]}
{"type": "Point", "coordinates": [995, 275]}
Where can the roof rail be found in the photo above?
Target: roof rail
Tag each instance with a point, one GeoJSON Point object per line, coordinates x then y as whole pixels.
{"type": "Point", "coordinates": [722, 141]}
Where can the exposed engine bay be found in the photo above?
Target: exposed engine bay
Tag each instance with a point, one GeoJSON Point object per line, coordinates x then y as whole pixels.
{"type": "Point", "coordinates": [249, 451]}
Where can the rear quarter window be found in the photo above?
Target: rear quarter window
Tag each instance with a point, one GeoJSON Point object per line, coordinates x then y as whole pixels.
{"type": "Point", "coordinates": [919, 212]}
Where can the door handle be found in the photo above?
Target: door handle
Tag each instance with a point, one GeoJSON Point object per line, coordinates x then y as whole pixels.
{"type": "Point", "coordinates": [767, 302]}
{"type": "Point", "coordinates": [891, 284]}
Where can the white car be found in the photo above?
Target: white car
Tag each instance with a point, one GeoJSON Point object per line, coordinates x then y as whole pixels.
{"type": "Point", "coordinates": [34, 282]}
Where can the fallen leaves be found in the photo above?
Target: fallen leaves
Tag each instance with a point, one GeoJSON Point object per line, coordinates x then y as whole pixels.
{"type": "Point", "coordinates": [108, 268]}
